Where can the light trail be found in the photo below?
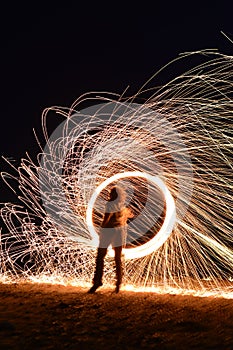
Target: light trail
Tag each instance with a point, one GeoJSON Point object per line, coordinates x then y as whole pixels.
{"type": "Point", "coordinates": [180, 139]}
{"type": "Point", "coordinates": [165, 230]}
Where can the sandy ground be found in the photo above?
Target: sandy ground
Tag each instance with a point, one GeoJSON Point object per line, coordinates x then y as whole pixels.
{"type": "Point", "coordinates": [40, 316]}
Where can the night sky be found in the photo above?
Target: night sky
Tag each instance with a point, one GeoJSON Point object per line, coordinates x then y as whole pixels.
{"type": "Point", "coordinates": [50, 55]}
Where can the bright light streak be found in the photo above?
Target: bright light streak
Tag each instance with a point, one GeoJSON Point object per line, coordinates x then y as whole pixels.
{"type": "Point", "coordinates": [165, 230]}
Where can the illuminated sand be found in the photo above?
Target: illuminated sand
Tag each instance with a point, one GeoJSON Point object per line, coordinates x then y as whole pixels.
{"type": "Point", "coordinates": [44, 316]}
{"type": "Point", "coordinates": [182, 136]}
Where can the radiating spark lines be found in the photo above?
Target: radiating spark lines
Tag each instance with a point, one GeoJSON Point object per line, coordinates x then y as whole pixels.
{"type": "Point", "coordinates": [182, 136]}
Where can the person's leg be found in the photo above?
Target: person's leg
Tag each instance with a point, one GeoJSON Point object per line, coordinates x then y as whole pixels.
{"type": "Point", "coordinates": [99, 268]}
{"type": "Point", "coordinates": [118, 251]}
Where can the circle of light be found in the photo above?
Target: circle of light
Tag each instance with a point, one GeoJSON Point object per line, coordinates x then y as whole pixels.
{"type": "Point", "coordinates": [165, 230]}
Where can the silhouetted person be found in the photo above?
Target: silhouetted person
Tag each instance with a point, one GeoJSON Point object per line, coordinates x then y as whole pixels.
{"type": "Point", "coordinates": [113, 231]}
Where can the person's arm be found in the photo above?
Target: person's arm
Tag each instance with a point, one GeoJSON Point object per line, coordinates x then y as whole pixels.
{"type": "Point", "coordinates": [106, 219]}
{"type": "Point", "coordinates": [129, 213]}
{"type": "Point", "coordinates": [126, 214]}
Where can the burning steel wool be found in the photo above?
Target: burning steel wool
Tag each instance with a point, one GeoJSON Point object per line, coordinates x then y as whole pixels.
{"type": "Point", "coordinates": [173, 156]}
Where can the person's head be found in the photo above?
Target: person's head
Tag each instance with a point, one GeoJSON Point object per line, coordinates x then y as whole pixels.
{"type": "Point", "coordinates": [117, 194]}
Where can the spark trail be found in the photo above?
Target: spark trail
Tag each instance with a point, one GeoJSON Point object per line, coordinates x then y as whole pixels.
{"type": "Point", "coordinates": [182, 136]}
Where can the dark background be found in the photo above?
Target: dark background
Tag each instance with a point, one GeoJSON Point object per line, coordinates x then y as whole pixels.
{"type": "Point", "coordinates": [53, 53]}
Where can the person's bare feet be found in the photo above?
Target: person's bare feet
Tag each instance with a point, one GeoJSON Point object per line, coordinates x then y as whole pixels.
{"type": "Point", "coordinates": [94, 288]}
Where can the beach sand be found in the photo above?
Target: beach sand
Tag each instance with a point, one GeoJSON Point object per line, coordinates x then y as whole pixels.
{"type": "Point", "coordinates": [45, 316]}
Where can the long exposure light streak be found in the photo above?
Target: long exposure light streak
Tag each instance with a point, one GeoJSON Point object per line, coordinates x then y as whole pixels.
{"type": "Point", "coordinates": [165, 230]}
{"type": "Point", "coordinates": [181, 137]}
